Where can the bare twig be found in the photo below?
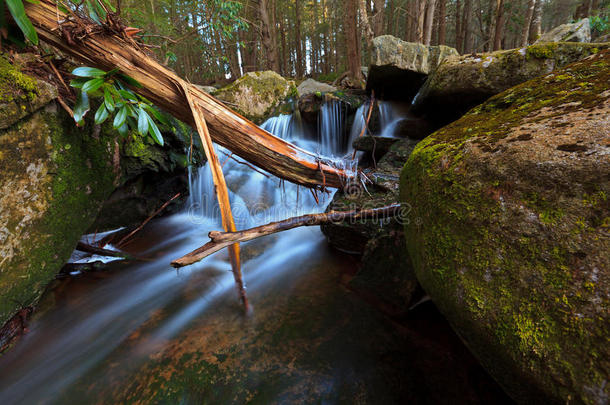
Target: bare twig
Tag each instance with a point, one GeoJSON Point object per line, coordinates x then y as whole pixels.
{"type": "Point", "coordinates": [147, 220]}
{"type": "Point", "coordinates": [220, 240]}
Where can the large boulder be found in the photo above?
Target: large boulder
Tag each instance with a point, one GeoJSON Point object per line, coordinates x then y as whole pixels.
{"type": "Point", "coordinates": [399, 68]}
{"type": "Point", "coordinates": [576, 32]}
{"type": "Point", "coordinates": [54, 177]}
{"type": "Point", "coordinates": [509, 232]}
{"type": "Point", "coordinates": [311, 86]}
{"type": "Point", "coordinates": [258, 95]}
{"type": "Point", "coordinates": [461, 83]}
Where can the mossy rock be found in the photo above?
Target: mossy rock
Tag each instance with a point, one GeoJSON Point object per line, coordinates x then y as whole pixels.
{"type": "Point", "coordinates": [460, 83]}
{"type": "Point", "coordinates": [259, 95]}
{"type": "Point", "coordinates": [509, 232]}
{"type": "Point", "coordinates": [54, 177]}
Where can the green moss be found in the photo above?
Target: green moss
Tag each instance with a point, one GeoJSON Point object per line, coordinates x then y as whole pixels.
{"type": "Point", "coordinates": [14, 84]}
{"type": "Point", "coordinates": [511, 285]}
{"type": "Point", "coordinates": [542, 51]}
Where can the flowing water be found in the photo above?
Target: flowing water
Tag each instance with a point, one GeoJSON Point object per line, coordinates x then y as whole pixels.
{"type": "Point", "coordinates": [143, 332]}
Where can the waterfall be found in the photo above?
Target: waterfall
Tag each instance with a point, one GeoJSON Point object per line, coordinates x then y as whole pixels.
{"type": "Point", "coordinates": [281, 126]}
{"type": "Point", "coordinates": [331, 122]}
{"type": "Point", "coordinates": [359, 122]}
{"type": "Point", "coordinates": [389, 118]}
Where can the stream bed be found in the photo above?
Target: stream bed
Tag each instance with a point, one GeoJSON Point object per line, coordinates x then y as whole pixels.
{"type": "Point", "coordinates": [142, 332]}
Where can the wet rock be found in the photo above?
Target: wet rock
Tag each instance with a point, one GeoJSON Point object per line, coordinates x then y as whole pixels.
{"type": "Point", "coordinates": [461, 83]}
{"type": "Point", "coordinates": [309, 107]}
{"type": "Point", "coordinates": [414, 127]}
{"type": "Point", "coordinates": [575, 32]}
{"type": "Point", "coordinates": [509, 232]}
{"type": "Point", "coordinates": [399, 68]}
{"type": "Point", "coordinates": [258, 95]}
{"type": "Point", "coordinates": [311, 86]}
{"type": "Point", "coordinates": [376, 146]}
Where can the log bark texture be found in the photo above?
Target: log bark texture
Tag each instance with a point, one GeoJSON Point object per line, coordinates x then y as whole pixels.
{"type": "Point", "coordinates": [163, 87]}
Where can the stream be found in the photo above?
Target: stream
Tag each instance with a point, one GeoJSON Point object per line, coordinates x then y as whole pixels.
{"type": "Point", "coordinates": [142, 332]}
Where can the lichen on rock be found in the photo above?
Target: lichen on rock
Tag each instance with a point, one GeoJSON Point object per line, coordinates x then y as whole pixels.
{"type": "Point", "coordinates": [258, 95]}
{"type": "Point", "coordinates": [509, 232]}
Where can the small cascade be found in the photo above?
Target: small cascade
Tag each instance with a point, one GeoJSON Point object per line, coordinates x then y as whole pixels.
{"type": "Point", "coordinates": [331, 123]}
{"type": "Point", "coordinates": [389, 118]}
{"type": "Point", "coordinates": [201, 201]}
{"type": "Point", "coordinates": [281, 126]}
{"type": "Point", "coordinates": [359, 122]}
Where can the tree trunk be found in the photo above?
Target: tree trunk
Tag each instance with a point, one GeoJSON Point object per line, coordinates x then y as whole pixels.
{"type": "Point", "coordinates": [161, 86]}
{"type": "Point", "coordinates": [442, 23]}
{"type": "Point", "coordinates": [466, 29]}
{"type": "Point", "coordinates": [378, 16]}
{"type": "Point", "coordinates": [267, 37]}
{"type": "Point", "coordinates": [429, 22]}
{"type": "Point", "coordinates": [299, 60]}
{"type": "Point", "coordinates": [458, 27]}
{"type": "Point", "coordinates": [500, 21]}
{"type": "Point", "coordinates": [421, 18]}
{"type": "Point", "coordinates": [535, 30]}
{"type": "Point", "coordinates": [367, 32]}
{"type": "Point", "coordinates": [352, 41]}
{"type": "Point", "coordinates": [525, 35]}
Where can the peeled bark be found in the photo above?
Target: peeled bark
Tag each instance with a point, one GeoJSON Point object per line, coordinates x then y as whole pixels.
{"type": "Point", "coordinates": [163, 88]}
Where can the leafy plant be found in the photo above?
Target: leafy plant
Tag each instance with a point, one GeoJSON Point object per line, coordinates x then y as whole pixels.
{"type": "Point", "coordinates": [131, 111]}
{"type": "Point", "coordinates": [599, 24]}
{"type": "Point", "coordinates": [15, 7]}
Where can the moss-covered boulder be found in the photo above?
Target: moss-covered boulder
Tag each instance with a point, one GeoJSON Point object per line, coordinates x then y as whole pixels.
{"type": "Point", "coordinates": [399, 68]}
{"type": "Point", "coordinates": [258, 95]}
{"type": "Point", "coordinates": [509, 232]}
{"type": "Point", "coordinates": [53, 178]}
{"type": "Point", "coordinates": [575, 32]}
{"type": "Point", "coordinates": [461, 83]}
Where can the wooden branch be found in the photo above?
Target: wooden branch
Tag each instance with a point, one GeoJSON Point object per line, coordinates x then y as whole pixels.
{"type": "Point", "coordinates": [107, 50]}
{"type": "Point", "coordinates": [83, 247]}
{"type": "Point", "coordinates": [220, 240]}
{"type": "Point", "coordinates": [222, 192]}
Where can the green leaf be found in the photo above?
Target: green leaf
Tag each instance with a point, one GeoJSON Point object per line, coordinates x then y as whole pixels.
{"type": "Point", "coordinates": [123, 129]}
{"type": "Point", "coordinates": [93, 85]}
{"type": "Point", "coordinates": [93, 13]}
{"type": "Point", "coordinates": [113, 8]}
{"type": "Point", "coordinates": [81, 107]}
{"type": "Point", "coordinates": [128, 95]}
{"type": "Point", "coordinates": [101, 114]}
{"type": "Point", "coordinates": [108, 99]}
{"type": "Point", "coordinates": [153, 130]}
{"type": "Point", "coordinates": [112, 72]}
{"type": "Point", "coordinates": [88, 72]}
{"type": "Point", "coordinates": [129, 80]}
{"type": "Point", "coordinates": [79, 82]}
{"type": "Point", "coordinates": [143, 119]}
{"type": "Point", "coordinates": [155, 113]}
{"type": "Point", "coordinates": [99, 10]}
{"type": "Point", "coordinates": [119, 118]}
{"type": "Point", "coordinates": [23, 22]}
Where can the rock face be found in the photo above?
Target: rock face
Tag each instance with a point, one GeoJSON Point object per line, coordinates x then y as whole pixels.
{"type": "Point", "coordinates": [575, 32]}
{"type": "Point", "coordinates": [311, 86]}
{"type": "Point", "coordinates": [399, 68]}
{"type": "Point", "coordinates": [258, 95]}
{"type": "Point", "coordinates": [385, 273]}
{"type": "Point", "coordinates": [463, 82]}
{"type": "Point", "coordinates": [509, 232]}
{"type": "Point", "coordinates": [56, 178]}
{"type": "Point", "coordinates": [53, 180]}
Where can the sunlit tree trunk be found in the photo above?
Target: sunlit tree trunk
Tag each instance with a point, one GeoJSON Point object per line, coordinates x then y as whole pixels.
{"type": "Point", "coordinates": [458, 27]}
{"type": "Point", "coordinates": [536, 26]}
{"type": "Point", "coordinates": [352, 40]}
{"type": "Point", "coordinates": [525, 35]}
{"type": "Point", "coordinates": [267, 37]}
{"type": "Point", "coordinates": [442, 23]}
{"type": "Point", "coordinates": [378, 16]}
{"type": "Point", "coordinates": [429, 21]}
{"type": "Point", "coordinates": [499, 25]}
{"type": "Point", "coordinates": [299, 45]}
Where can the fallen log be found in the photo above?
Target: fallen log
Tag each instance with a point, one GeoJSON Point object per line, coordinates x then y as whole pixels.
{"type": "Point", "coordinates": [109, 49]}
{"type": "Point", "coordinates": [220, 240]}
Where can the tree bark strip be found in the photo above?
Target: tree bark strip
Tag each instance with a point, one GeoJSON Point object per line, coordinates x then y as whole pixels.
{"type": "Point", "coordinates": [162, 87]}
{"type": "Point", "coordinates": [220, 240]}
{"type": "Point", "coordinates": [222, 192]}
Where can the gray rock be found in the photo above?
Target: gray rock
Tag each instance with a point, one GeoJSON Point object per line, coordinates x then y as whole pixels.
{"type": "Point", "coordinates": [576, 32]}
{"type": "Point", "coordinates": [311, 86]}
{"type": "Point", "coordinates": [257, 95]}
{"type": "Point", "coordinates": [509, 232]}
{"type": "Point", "coordinates": [398, 68]}
{"type": "Point", "coordinates": [377, 144]}
{"type": "Point", "coordinates": [207, 89]}
{"type": "Point", "coordinates": [461, 83]}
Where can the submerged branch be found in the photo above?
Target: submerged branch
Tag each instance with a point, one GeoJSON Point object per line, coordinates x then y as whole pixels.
{"type": "Point", "coordinates": [220, 240]}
